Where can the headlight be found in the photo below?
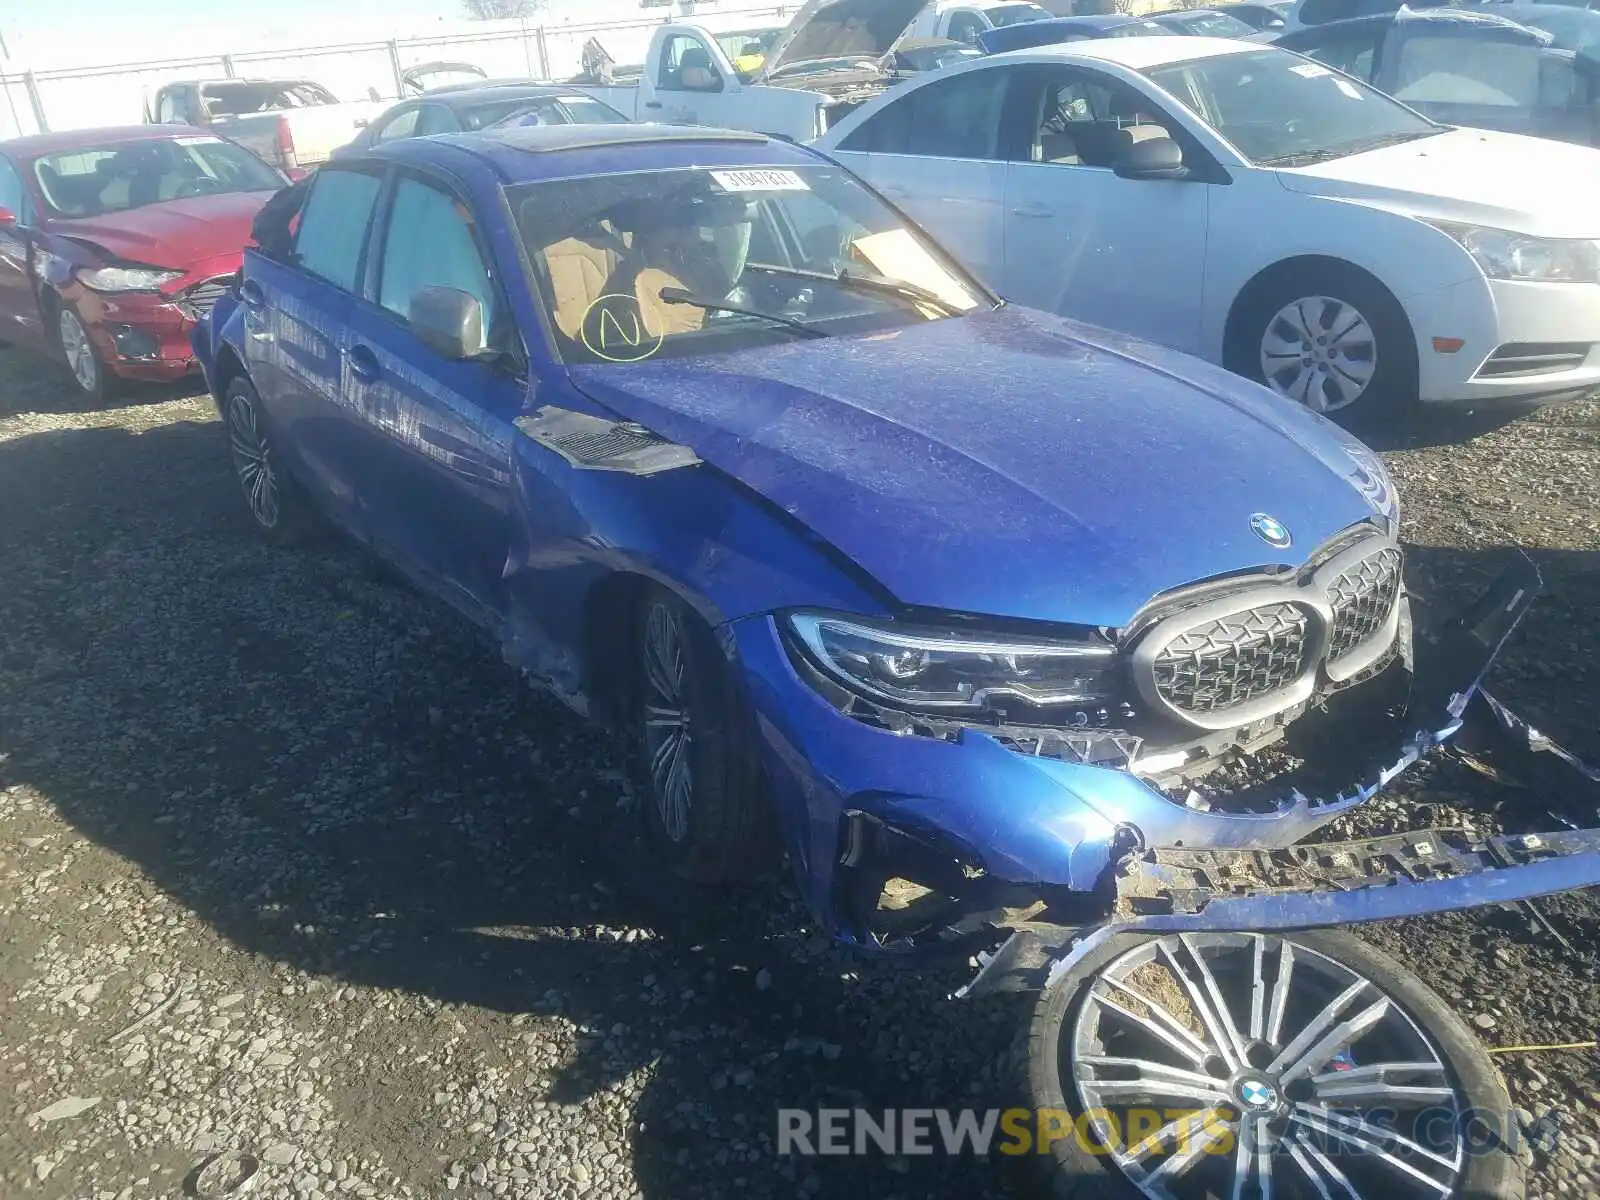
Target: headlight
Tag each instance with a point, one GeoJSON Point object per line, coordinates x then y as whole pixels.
{"type": "Point", "coordinates": [1506, 255]}
{"type": "Point", "coordinates": [125, 279]}
{"type": "Point", "coordinates": [932, 669]}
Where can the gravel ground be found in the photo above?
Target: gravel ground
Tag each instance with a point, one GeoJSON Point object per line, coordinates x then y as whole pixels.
{"type": "Point", "coordinates": [291, 866]}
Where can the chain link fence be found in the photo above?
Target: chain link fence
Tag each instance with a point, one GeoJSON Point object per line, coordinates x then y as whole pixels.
{"type": "Point", "coordinates": [87, 97]}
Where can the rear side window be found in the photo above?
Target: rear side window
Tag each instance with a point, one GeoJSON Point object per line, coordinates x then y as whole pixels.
{"type": "Point", "coordinates": [429, 243]}
{"type": "Point", "coordinates": [334, 223]}
{"type": "Point", "coordinates": [950, 118]}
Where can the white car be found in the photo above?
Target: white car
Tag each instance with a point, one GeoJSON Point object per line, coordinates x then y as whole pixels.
{"type": "Point", "coordinates": [1257, 209]}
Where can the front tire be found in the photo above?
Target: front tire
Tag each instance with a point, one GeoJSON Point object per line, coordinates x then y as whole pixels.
{"type": "Point", "coordinates": [702, 787]}
{"type": "Point", "coordinates": [83, 361]}
{"type": "Point", "coordinates": [1291, 1052]}
{"type": "Point", "coordinates": [1332, 339]}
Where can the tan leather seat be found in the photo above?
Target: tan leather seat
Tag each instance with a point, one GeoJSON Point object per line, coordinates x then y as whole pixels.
{"type": "Point", "coordinates": [578, 270]}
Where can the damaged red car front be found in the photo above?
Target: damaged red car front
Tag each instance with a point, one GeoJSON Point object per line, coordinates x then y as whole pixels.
{"type": "Point", "coordinates": [113, 242]}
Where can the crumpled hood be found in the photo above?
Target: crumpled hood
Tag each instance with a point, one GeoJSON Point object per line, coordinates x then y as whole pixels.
{"type": "Point", "coordinates": [1475, 176]}
{"type": "Point", "coordinates": [1009, 462]}
{"type": "Point", "coordinates": [175, 234]}
{"type": "Point", "coordinates": [842, 29]}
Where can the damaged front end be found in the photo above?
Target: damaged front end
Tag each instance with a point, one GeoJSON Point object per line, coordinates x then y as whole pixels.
{"type": "Point", "coordinates": [1138, 816]}
{"type": "Point", "coordinates": [1177, 888]}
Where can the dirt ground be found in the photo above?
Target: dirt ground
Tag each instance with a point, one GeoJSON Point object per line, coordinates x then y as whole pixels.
{"type": "Point", "coordinates": [291, 865]}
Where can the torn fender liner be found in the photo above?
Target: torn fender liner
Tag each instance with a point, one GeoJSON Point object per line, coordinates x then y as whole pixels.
{"type": "Point", "coordinates": [601, 444]}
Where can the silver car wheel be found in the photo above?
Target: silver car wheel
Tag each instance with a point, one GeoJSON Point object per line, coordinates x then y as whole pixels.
{"type": "Point", "coordinates": [667, 732]}
{"type": "Point", "coordinates": [252, 461]}
{"type": "Point", "coordinates": [1320, 351]}
{"type": "Point", "coordinates": [79, 353]}
{"type": "Point", "coordinates": [1287, 1069]}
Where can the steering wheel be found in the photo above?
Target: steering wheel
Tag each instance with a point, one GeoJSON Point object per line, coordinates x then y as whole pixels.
{"type": "Point", "coordinates": [198, 187]}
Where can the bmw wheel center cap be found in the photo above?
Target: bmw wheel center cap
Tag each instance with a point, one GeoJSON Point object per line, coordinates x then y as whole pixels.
{"type": "Point", "coordinates": [1257, 1095]}
{"type": "Point", "coordinates": [1271, 530]}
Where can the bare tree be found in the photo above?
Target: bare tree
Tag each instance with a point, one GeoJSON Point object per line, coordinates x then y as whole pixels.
{"type": "Point", "coordinates": [497, 10]}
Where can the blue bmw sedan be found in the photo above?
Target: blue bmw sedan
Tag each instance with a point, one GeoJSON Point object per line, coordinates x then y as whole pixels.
{"type": "Point", "coordinates": [967, 609]}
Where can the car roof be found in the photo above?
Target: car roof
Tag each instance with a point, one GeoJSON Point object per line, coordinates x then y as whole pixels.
{"type": "Point", "coordinates": [1141, 53]}
{"type": "Point", "coordinates": [531, 152]}
{"type": "Point", "coordinates": [76, 139]}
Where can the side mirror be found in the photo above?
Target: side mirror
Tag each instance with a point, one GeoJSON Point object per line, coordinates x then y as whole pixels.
{"type": "Point", "coordinates": [448, 321]}
{"type": "Point", "coordinates": [1153, 158]}
{"type": "Point", "coordinates": [8, 219]}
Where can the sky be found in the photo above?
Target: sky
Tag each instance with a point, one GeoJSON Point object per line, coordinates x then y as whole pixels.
{"type": "Point", "coordinates": [53, 32]}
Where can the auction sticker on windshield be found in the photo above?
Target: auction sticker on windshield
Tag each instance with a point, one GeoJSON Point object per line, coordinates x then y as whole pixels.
{"type": "Point", "coordinates": [760, 180]}
{"type": "Point", "coordinates": [1311, 70]}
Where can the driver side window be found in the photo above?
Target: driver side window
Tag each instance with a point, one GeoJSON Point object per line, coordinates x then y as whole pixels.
{"type": "Point", "coordinates": [687, 66]}
{"type": "Point", "coordinates": [1077, 118]}
{"type": "Point", "coordinates": [957, 117]}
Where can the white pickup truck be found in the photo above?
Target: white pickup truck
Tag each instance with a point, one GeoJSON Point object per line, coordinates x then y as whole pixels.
{"type": "Point", "coordinates": [964, 20]}
{"type": "Point", "coordinates": [292, 123]}
{"type": "Point", "coordinates": [831, 58]}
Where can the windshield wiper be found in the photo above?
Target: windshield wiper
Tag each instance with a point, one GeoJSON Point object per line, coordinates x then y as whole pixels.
{"type": "Point", "coordinates": [868, 283]}
{"type": "Point", "coordinates": [676, 295]}
{"type": "Point", "coordinates": [897, 287]}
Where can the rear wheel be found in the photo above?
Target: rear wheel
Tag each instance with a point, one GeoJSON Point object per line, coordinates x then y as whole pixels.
{"type": "Point", "coordinates": [277, 507]}
{"type": "Point", "coordinates": [1255, 1065]}
{"type": "Point", "coordinates": [1331, 339]}
{"type": "Point", "coordinates": [704, 803]}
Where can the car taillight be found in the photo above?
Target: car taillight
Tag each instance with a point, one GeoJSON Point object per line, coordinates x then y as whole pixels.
{"type": "Point", "coordinates": [287, 158]}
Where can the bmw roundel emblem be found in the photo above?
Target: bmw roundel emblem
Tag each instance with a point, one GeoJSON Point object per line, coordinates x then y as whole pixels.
{"type": "Point", "coordinates": [1271, 530]}
{"type": "Point", "coordinates": [1258, 1094]}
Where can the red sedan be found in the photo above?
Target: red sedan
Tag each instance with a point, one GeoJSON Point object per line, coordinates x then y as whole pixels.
{"type": "Point", "coordinates": [114, 241]}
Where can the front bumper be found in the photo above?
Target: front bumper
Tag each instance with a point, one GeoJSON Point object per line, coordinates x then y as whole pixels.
{"type": "Point", "coordinates": [139, 335]}
{"type": "Point", "coordinates": [1507, 331]}
{"type": "Point", "coordinates": [991, 839]}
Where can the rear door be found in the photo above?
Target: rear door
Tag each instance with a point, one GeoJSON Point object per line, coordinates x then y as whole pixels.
{"type": "Point", "coordinates": [295, 326]}
{"type": "Point", "coordinates": [436, 433]}
{"type": "Point", "coordinates": [934, 150]}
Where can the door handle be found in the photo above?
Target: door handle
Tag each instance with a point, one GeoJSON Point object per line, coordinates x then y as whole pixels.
{"type": "Point", "coordinates": [1031, 210]}
{"type": "Point", "coordinates": [251, 295]}
{"type": "Point", "coordinates": [652, 104]}
{"type": "Point", "coordinates": [363, 364]}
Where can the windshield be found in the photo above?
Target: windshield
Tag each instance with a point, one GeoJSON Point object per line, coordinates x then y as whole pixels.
{"type": "Point", "coordinates": [747, 51]}
{"type": "Point", "coordinates": [240, 99]}
{"type": "Point", "coordinates": [1576, 29]}
{"type": "Point", "coordinates": [1210, 24]}
{"type": "Point", "coordinates": [641, 265]}
{"type": "Point", "coordinates": [579, 110]}
{"type": "Point", "coordinates": [1278, 109]}
{"type": "Point", "coordinates": [113, 178]}
{"type": "Point", "coordinates": [1014, 14]}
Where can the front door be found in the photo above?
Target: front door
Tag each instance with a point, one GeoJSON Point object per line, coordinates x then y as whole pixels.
{"type": "Point", "coordinates": [1083, 242]}
{"type": "Point", "coordinates": [437, 433]}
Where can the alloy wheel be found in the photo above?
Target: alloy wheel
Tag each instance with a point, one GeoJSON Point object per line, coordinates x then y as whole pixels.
{"type": "Point", "coordinates": [252, 461]}
{"type": "Point", "coordinates": [1245, 1065]}
{"type": "Point", "coordinates": [79, 353]}
{"type": "Point", "coordinates": [1320, 351]}
{"type": "Point", "coordinates": [668, 734]}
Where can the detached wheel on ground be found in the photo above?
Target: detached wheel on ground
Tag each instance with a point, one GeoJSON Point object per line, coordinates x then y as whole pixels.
{"type": "Point", "coordinates": [83, 361]}
{"type": "Point", "coordinates": [1330, 338]}
{"type": "Point", "coordinates": [702, 786]}
{"type": "Point", "coordinates": [1306, 1067]}
{"type": "Point", "coordinates": [277, 507]}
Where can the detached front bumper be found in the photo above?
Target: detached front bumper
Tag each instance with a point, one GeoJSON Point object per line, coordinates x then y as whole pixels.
{"type": "Point", "coordinates": [993, 838]}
